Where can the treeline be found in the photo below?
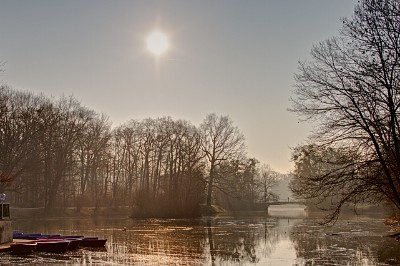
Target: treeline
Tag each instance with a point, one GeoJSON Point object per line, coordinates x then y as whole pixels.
{"type": "Point", "coordinates": [58, 153]}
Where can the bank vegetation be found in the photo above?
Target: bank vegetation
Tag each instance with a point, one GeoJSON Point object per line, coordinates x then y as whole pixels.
{"type": "Point", "coordinates": [57, 154]}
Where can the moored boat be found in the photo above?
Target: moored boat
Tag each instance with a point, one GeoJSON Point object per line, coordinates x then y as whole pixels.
{"type": "Point", "coordinates": [60, 243]}
{"type": "Point", "coordinates": [74, 243]}
{"type": "Point", "coordinates": [26, 236]}
{"type": "Point", "coordinates": [52, 245]}
{"type": "Point", "coordinates": [34, 236]}
{"type": "Point", "coordinates": [73, 236]}
{"type": "Point", "coordinates": [23, 248]}
{"type": "Point", "coordinates": [92, 242]}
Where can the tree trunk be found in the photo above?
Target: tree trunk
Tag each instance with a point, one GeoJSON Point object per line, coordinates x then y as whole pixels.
{"type": "Point", "coordinates": [210, 186]}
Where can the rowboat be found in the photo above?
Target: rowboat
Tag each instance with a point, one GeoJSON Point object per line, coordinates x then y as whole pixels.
{"type": "Point", "coordinates": [52, 246]}
{"type": "Point", "coordinates": [26, 236]}
{"type": "Point", "coordinates": [60, 243]}
{"type": "Point", "coordinates": [74, 243]}
{"type": "Point", "coordinates": [34, 236]}
{"type": "Point", "coordinates": [23, 248]}
{"type": "Point", "coordinates": [92, 242]}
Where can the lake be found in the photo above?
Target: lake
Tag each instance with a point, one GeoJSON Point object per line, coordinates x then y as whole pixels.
{"type": "Point", "coordinates": [286, 236]}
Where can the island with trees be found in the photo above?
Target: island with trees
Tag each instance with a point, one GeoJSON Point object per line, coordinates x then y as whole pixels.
{"type": "Point", "coordinates": [56, 154]}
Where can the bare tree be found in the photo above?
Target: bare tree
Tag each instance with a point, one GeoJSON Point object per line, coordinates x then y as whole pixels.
{"type": "Point", "coordinates": [60, 143]}
{"type": "Point", "coordinates": [315, 163]}
{"type": "Point", "coordinates": [222, 142]}
{"type": "Point", "coordinates": [161, 160]}
{"type": "Point", "coordinates": [92, 149]}
{"type": "Point", "coordinates": [268, 181]}
{"type": "Point", "coordinates": [245, 185]}
{"type": "Point", "coordinates": [351, 89]}
{"type": "Point", "coordinates": [19, 130]}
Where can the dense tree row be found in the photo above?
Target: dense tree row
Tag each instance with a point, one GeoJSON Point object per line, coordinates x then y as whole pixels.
{"type": "Point", "coordinates": [59, 153]}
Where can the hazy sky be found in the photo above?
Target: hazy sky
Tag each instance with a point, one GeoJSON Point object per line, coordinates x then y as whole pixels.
{"type": "Point", "coordinates": [233, 58]}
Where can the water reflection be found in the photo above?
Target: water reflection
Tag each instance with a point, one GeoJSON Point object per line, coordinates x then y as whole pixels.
{"type": "Point", "coordinates": [250, 240]}
{"type": "Point", "coordinates": [349, 242]}
{"type": "Point", "coordinates": [225, 240]}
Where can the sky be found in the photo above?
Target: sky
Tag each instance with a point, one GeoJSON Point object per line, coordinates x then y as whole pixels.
{"type": "Point", "coordinates": [229, 57]}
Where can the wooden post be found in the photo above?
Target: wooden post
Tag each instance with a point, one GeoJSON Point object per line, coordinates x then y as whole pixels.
{"type": "Point", "coordinates": [4, 211]}
{"type": "Point", "coordinates": [5, 224]}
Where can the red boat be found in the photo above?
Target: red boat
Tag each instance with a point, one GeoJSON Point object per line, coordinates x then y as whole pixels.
{"type": "Point", "coordinates": [57, 243]}
{"type": "Point", "coordinates": [52, 245]}
{"type": "Point", "coordinates": [23, 248]}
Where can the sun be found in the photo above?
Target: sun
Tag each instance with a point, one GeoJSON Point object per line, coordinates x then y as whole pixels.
{"type": "Point", "coordinates": [157, 43]}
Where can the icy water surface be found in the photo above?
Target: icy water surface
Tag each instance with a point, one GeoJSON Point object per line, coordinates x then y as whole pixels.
{"type": "Point", "coordinates": [280, 238]}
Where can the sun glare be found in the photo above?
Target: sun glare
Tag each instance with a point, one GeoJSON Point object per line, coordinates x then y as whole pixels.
{"type": "Point", "coordinates": [157, 43]}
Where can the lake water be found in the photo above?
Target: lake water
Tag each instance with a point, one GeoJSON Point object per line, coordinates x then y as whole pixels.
{"type": "Point", "coordinates": [283, 237]}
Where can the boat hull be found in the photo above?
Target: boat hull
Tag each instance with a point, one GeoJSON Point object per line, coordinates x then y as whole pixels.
{"type": "Point", "coordinates": [52, 246]}
{"type": "Point", "coordinates": [23, 248]}
{"type": "Point", "coordinates": [92, 242]}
